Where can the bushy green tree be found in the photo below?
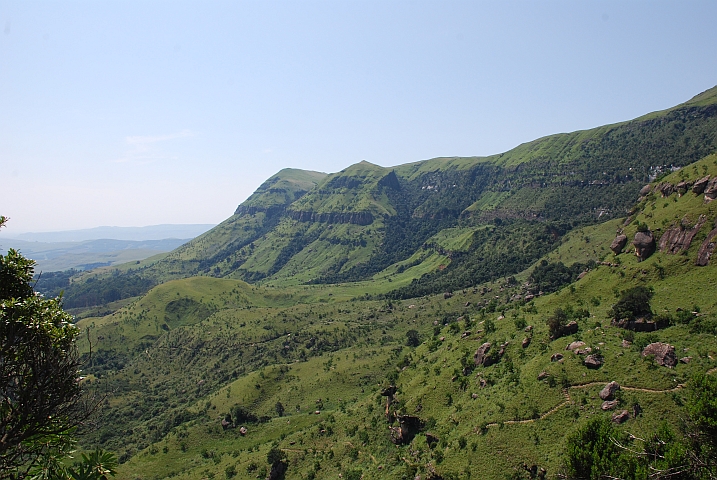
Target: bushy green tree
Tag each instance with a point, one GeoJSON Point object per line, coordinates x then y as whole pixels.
{"type": "Point", "coordinates": [633, 303]}
{"type": "Point", "coordinates": [41, 397]}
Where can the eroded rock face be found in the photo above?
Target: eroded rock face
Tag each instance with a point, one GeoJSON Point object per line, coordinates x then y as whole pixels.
{"type": "Point", "coordinates": [356, 218]}
{"type": "Point", "coordinates": [711, 190]}
{"type": "Point", "coordinates": [679, 238]}
{"type": "Point", "coordinates": [644, 244]}
{"type": "Point", "coordinates": [609, 390]}
{"type": "Point", "coordinates": [481, 354]}
{"type": "Point", "coordinates": [664, 353]}
{"type": "Point", "coordinates": [618, 244]}
{"type": "Point", "coordinates": [707, 249]}
{"type": "Point", "coordinates": [700, 185]}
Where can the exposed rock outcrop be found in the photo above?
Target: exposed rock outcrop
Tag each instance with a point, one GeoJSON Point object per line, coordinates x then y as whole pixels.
{"type": "Point", "coordinates": [618, 244]}
{"type": "Point", "coordinates": [679, 238]}
{"type": "Point", "coordinates": [711, 190]}
{"type": "Point", "coordinates": [408, 427]}
{"type": "Point", "coordinates": [645, 190]}
{"type": "Point", "coordinates": [700, 185]}
{"type": "Point", "coordinates": [707, 249]}
{"type": "Point", "coordinates": [621, 417]}
{"type": "Point", "coordinates": [593, 361]}
{"type": "Point", "coordinates": [481, 355]}
{"type": "Point", "coordinates": [664, 353]}
{"type": "Point", "coordinates": [609, 390]}
{"type": "Point", "coordinates": [644, 244]}
{"type": "Point", "coordinates": [640, 324]}
{"type": "Point", "coordinates": [665, 189]}
{"type": "Point", "coordinates": [355, 218]}
{"type": "Point", "coordinates": [683, 186]}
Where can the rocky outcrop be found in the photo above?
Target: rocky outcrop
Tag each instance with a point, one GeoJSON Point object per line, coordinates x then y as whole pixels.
{"type": "Point", "coordinates": [640, 324]}
{"type": "Point", "coordinates": [271, 211]}
{"type": "Point", "coordinates": [679, 238]}
{"type": "Point", "coordinates": [618, 244]}
{"type": "Point", "coordinates": [408, 427]}
{"type": "Point", "coordinates": [665, 189]}
{"type": "Point", "coordinates": [593, 361]}
{"type": "Point", "coordinates": [700, 185]}
{"type": "Point", "coordinates": [707, 248]}
{"type": "Point", "coordinates": [355, 218]}
{"type": "Point", "coordinates": [711, 190]}
{"type": "Point", "coordinates": [645, 190]}
{"type": "Point", "coordinates": [644, 244]}
{"type": "Point", "coordinates": [620, 417]}
{"type": "Point", "coordinates": [664, 354]}
{"type": "Point", "coordinates": [481, 356]}
{"type": "Point", "coordinates": [609, 390]}
{"type": "Point", "coordinates": [608, 405]}
{"type": "Point", "coordinates": [682, 187]}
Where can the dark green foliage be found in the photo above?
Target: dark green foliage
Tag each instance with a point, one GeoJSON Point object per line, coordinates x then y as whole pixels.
{"type": "Point", "coordinates": [51, 284]}
{"type": "Point", "coordinates": [557, 322]}
{"type": "Point", "coordinates": [101, 291]}
{"type": "Point", "coordinates": [413, 339]}
{"type": "Point", "coordinates": [591, 452]}
{"type": "Point", "coordinates": [633, 303]}
{"type": "Point", "coordinates": [550, 277]}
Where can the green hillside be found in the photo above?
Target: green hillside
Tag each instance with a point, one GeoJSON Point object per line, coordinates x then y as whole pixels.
{"type": "Point", "coordinates": [303, 368]}
{"type": "Point", "coordinates": [308, 228]}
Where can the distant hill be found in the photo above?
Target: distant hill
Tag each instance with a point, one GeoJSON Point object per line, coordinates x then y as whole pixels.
{"type": "Point", "coordinates": [367, 221]}
{"type": "Point", "coordinates": [152, 232]}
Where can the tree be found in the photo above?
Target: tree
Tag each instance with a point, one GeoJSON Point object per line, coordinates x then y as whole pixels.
{"type": "Point", "coordinates": [41, 397]}
{"type": "Point", "coordinates": [279, 409]}
{"type": "Point", "coordinates": [633, 303]}
{"type": "Point", "coordinates": [557, 322]}
{"type": "Point", "coordinates": [413, 339]}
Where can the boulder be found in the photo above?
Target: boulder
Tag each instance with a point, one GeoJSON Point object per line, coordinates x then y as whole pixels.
{"type": "Point", "coordinates": [682, 187]}
{"type": "Point", "coordinates": [664, 353]}
{"type": "Point", "coordinates": [570, 329]}
{"type": "Point", "coordinates": [679, 238]}
{"type": "Point", "coordinates": [645, 190]}
{"type": "Point", "coordinates": [711, 190]}
{"type": "Point", "coordinates": [609, 390]}
{"type": "Point", "coordinates": [525, 342]}
{"type": "Point", "coordinates": [626, 343]}
{"type": "Point", "coordinates": [621, 417]}
{"type": "Point", "coordinates": [575, 345]}
{"type": "Point", "coordinates": [389, 391]}
{"type": "Point", "coordinates": [644, 244]}
{"type": "Point", "coordinates": [618, 244]}
{"type": "Point", "coordinates": [593, 361]}
{"type": "Point", "coordinates": [243, 431]}
{"type": "Point", "coordinates": [447, 295]}
{"type": "Point", "coordinates": [609, 404]}
{"type": "Point", "coordinates": [707, 249]}
{"type": "Point", "coordinates": [556, 357]}
{"type": "Point", "coordinates": [583, 351]}
{"type": "Point", "coordinates": [408, 427]}
{"type": "Point", "coordinates": [666, 189]}
{"type": "Point", "coordinates": [543, 375]}
{"type": "Point", "coordinates": [685, 359]}
{"type": "Point", "coordinates": [481, 354]}
{"type": "Point", "coordinates": [700, 185]}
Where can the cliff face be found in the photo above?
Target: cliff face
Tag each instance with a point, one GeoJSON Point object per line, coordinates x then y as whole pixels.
{"type": "Point", "coordinates": [355, 218]}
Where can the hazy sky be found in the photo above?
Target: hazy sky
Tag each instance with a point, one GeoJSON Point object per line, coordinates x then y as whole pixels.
{"type": "Point", "coordinates": [138, 113]}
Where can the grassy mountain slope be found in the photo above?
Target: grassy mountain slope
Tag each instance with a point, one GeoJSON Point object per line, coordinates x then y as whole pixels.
{"type": "Point", "coordinates": [184, 357]}
{"type": "Point", "coordinates": [304, 227]}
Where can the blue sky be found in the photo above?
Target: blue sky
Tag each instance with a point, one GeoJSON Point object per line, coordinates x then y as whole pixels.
{"type": "Point", "coordinates": [139, 113]}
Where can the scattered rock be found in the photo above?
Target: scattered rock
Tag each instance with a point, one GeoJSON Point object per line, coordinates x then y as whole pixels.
{"type": "Point", "coordinates": [447, 295]}
{"type": "Point", "coordinates": [525, 342]}
{"type": "Point", "coordinates": [618, 244]}
{"type": "Point", "coordinates": [685, 359]}
{"type": "Point", "coordinates": [570, 329]}
{"type": "Point", "coordinates": [575, 345]}
{"type": "Point", "coordinates": [645, 190]}
{"type": "Point", "coordinates": [243, 431]}
{"type": "Point", "coordinates": [644, 244]}
{"type": "Point", "coordinates": [474, 396]}
{"type": "Point", "coordinates": [609, 390]}
{"type": "Point", "coordinates": [700, 185]}
{"type": "Point", "coordinates": [593, 361]}
{"type": "Point", "coordinates": [664, 353]}
{"type": "Point", "coordinates": [529, 328]}
{"type": "Point", "coordinates": [620, 417]}
{"type": "Point", "coordinates": [609, 404]}
{"type": "Point", "coordinates": [556, 357]}
{"type": "Point", "coordinates": [465, 334]}
{"type": "Point", "coordinates": [583, 351]}
{"type": "Point", "coordinates": [467, 304]}
{"type": "Point", "coordinates": [503, 346]}
{"type": "Point", "coordinates": [666, 189]}
{"type": "Point", "coordinates": [543, 375]}
{"type": "Point", "coordinates": [626, 344]}
{"type": "Point", "coordinates": [481, 354]}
